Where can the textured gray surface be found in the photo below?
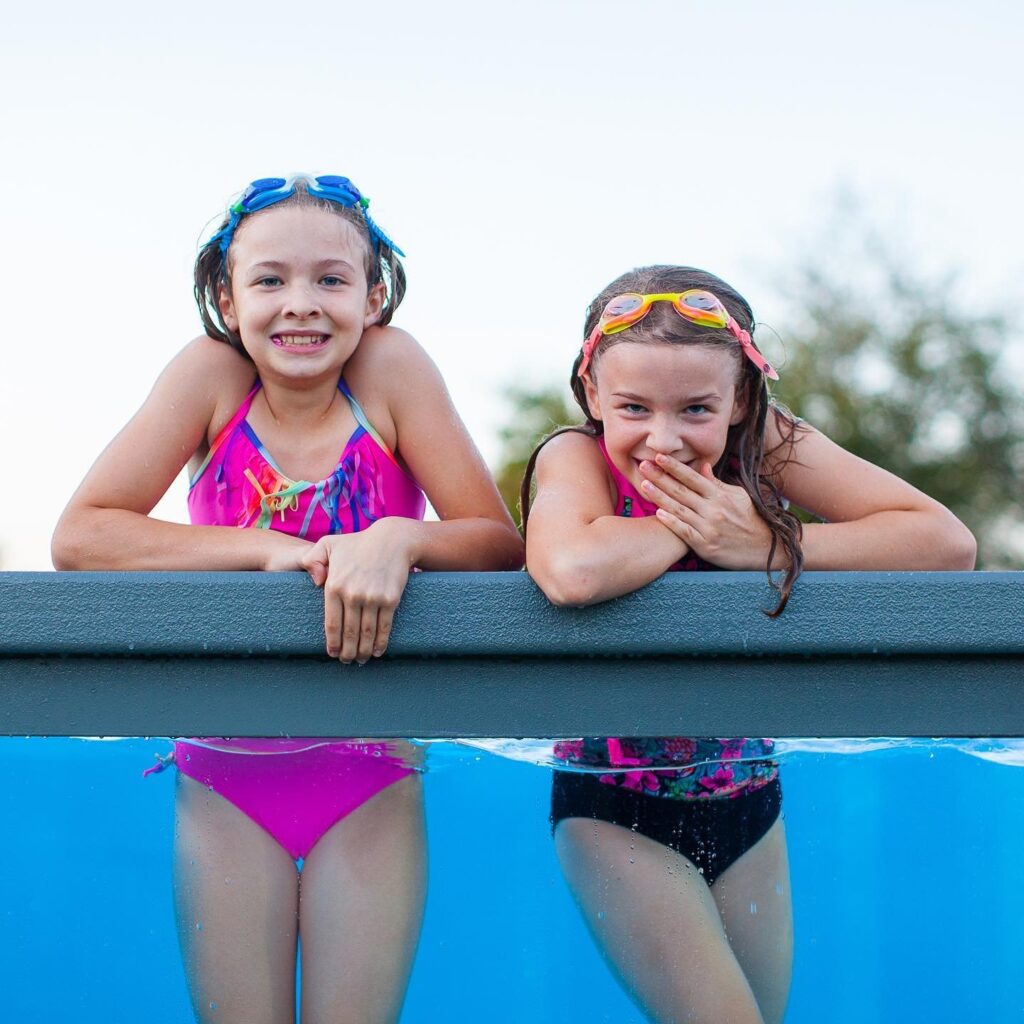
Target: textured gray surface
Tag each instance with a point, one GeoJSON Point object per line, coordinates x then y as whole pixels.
{"type": "Point", "coordinates": [485, 654]}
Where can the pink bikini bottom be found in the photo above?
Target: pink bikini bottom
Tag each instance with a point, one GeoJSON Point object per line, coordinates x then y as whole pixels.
{"type": "Point", "coordinates": [292, 789]}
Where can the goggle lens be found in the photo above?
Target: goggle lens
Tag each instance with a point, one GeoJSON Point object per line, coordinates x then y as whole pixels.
{"type": "Point", "coordinates": [623, 304]}
{"type": "Point", "coordinates": [703, 308]}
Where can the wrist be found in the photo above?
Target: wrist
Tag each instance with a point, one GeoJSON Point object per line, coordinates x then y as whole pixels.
{"type": "Point", "coordinates": [276, 546]}
{"type": "Point", "coordinates": [404, 536]}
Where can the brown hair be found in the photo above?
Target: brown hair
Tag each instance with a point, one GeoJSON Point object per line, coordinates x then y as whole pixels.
{"type": "Point", "coordinates": [745, 461]}
{"type": "Point", "coordinates": [213, 268]}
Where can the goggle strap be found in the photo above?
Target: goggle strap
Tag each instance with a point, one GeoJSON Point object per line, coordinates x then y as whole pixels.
{"type": "Point", "coordinates": [375, 232]}
{"type": "Point", "coordinates": [588, 349]}
{"type": "Point", "coordinates": [347, 196]}
{"type": "Point", "coordinates": [743, 337]}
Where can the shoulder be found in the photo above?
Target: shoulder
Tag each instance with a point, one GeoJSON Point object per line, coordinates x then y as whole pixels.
{"type": "Point", "coordinates": [571, 450]}
{"type": "Point", "coordinates": [572, 469]}
{"type": "Point", "coordinates": [388, 357]}
{"type": "Point", "coordinates": [213, 364]}
{"type": "Point", "coordinates": [397, 384]}
{"type": "Point", "coordinates": [213, 374]}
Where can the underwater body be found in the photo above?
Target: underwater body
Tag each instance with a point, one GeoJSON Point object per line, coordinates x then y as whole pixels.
{"type": "Point", "coordinates": [904, 858]}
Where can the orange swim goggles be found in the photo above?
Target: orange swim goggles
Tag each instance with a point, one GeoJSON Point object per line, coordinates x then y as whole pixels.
{"type": "Point", "coordinates": [700, 307]}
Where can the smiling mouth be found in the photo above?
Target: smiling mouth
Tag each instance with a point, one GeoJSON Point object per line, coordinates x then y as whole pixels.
{"type": "Point", "coordinates": [303, 341]}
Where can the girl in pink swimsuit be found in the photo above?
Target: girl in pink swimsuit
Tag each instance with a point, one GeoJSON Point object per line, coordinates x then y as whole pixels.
{"type": "Point", "coordinates": [676, 850]}
{"type": "Point", "coordinates": [315, 433]}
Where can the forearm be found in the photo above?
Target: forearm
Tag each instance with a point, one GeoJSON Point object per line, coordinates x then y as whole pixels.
{"type": "Point", "coordinates": [608, 557]}
{"type": "Point", "coordinates": [891, 540]}
{"type": "Point", "coordinates": [457, 545]}
{"type": "Point", "coordinates": [117, 539]}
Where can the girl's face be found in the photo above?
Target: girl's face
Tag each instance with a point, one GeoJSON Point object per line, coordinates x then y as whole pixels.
{"type": "Point", "coordinates": [677, 400]}
{"type": "Point", "coordinates": [299, 297]}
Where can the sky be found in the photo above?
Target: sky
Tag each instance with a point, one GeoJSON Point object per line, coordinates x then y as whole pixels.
{"type": "Point", "coordinates": [522, 155]}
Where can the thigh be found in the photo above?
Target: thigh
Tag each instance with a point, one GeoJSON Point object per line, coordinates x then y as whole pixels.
{"type": "Point", "coordinates": [655, 921]}
{"type": "Point", "coordinates": [362, 893]}
{"type": "Point", "coordinates": [754, 900]}
{"type": "Point", "coordinates": [236, 897]}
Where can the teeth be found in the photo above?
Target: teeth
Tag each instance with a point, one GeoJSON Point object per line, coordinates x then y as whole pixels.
{"type": "Point", "coordinates": [300, 339]}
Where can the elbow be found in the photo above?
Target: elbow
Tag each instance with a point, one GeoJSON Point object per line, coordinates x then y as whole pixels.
{"type": "Point", "coordinates": [566, 583]}
{"type": "Point", "coordinates": [64, 552]}
{"type": "Point", "coordinates": [962, 549]}
{"type": "Point", "coordinates": [515, 552]}
{"type": "Point", "coordinates": [68, 550]}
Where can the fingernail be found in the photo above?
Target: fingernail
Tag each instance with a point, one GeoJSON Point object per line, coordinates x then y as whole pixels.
{"type": "Point", "coordinates": [378, 653]}
{"type": "Point", "coordinates": [332, 652]}
{"type": "Point", "coordinates": [645, 485]}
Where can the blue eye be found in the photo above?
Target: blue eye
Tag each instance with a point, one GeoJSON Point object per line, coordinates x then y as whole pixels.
{"type": "Point", "coordinates": [270, 281]}
{"type": "Point", "coordinates": [332, 280]}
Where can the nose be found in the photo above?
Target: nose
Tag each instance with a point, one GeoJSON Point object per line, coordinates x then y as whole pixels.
{"type": "Point", "coordinates": [300, 302]}
{"type": "Point", "coordinates": [663, 438]}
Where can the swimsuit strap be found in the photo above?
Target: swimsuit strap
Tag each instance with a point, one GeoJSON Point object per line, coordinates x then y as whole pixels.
{"type": "Point", "coordinates": [624, 488]}
{"type": "Point", "coordinates": [226, 432]}
{"type": "Point", "coordinates": [363, 421]}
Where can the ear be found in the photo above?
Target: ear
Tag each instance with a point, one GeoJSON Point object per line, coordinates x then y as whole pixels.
{"type": "Point", "coordinates": [593, 401]}
{"type": "Point", "coordinates": [374, 304]}
{"type": "Point", "coordinates": [227, 308]}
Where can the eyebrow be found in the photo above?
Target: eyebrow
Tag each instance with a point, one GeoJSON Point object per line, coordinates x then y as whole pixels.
{"type": "Point", "coordinates": [690, 399]}
{"type": "Point", "coordinates": [277, 265]}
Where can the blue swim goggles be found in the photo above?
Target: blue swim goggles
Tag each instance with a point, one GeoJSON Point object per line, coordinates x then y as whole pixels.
{"type": "Point", "coordinates": [264, 192]}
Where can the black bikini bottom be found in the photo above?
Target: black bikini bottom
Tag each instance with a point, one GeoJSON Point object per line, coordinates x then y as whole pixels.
{"type": "Point", "coordinates": [711, 833]}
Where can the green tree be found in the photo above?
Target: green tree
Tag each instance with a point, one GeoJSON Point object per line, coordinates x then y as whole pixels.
{"type": "Point", "coordinates": [896, 371]}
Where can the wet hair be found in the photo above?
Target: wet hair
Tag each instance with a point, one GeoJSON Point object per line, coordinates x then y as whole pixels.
{"type": "Point", "coordinates": [213, 267]}
{"type": "Point", "coordinates": [745, 461]}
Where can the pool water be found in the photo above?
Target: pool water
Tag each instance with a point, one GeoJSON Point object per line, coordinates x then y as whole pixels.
{"type": "Point", "coordinates": [906, 862]}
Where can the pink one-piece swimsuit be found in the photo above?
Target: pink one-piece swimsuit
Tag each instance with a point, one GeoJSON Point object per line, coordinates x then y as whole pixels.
{"type": "Point", "coordinates": [296, 788]}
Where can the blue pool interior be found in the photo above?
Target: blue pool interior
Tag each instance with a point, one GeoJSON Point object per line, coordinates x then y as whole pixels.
{"type": "Point", "coordinates": [906, 873]}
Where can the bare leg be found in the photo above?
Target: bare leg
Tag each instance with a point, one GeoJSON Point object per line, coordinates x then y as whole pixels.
{"type": "Point", "coordinates": [753, 898]}
{"type": "Point", "coordinates": [236, 894]}
{"type": "Point", "coordinates": [362, 893]}
{"type": "Point", "coordinates": [655, 920]}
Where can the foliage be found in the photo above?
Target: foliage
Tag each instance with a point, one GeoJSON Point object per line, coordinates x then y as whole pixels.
{"type": "Point", "coordinates": [899, 374]}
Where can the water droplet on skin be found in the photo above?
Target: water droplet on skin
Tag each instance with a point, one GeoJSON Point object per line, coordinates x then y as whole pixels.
{"type": "Point", "coordinates": [213, 1006]}
{"type": "Point", "coordinates": [778, 888]}
{"type": "Point", "coordinates": [753, 907]}
{"type": "Point", "coordinates": [600, 915]}
{"type": "Point", "coordinates": [199, 926]}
